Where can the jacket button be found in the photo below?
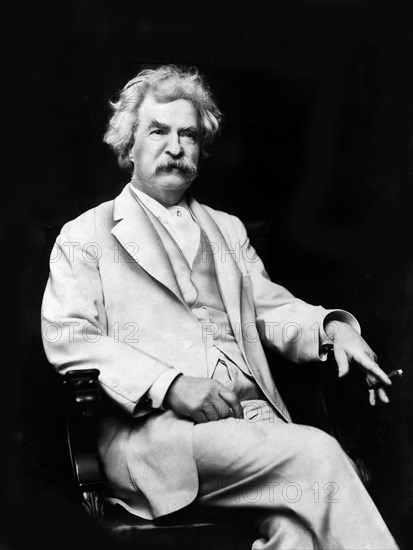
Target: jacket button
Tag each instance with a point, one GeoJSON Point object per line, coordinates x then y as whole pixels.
{"type": "Point", "coordinates": [187, 344]}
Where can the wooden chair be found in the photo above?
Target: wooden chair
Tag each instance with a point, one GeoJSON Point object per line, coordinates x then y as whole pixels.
{"type": "Point", "coordinates": [193, 524]}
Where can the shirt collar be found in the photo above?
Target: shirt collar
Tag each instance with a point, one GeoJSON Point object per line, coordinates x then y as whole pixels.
{"type": "Point", "coordinates": [155, 207]}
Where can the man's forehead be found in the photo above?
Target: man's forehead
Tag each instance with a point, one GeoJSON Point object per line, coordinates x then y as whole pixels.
{"type": "Point", "coordinates": [178, 112]}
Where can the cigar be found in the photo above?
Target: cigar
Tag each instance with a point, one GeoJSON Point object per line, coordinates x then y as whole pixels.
{"type": "Point", "coordinates": [394, 374]}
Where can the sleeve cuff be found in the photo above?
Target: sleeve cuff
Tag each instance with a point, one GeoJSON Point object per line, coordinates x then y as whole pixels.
{"type": "Point", "coordinates": [336, 315]}
{"type": "Point", "coordinates": [157, 391]}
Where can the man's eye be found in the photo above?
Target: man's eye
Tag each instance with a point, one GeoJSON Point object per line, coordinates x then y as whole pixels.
{"type": "Point", "coordinates": [157, 132]}
{"type": "Point", "coordinates": [189, 135]}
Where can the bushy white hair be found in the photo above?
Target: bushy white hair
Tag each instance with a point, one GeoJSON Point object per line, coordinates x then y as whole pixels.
{"type": "Point", "coordinates": [166, 83]}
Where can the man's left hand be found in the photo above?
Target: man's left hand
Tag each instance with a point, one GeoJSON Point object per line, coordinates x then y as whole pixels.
{"type": "Point", "coordinates": [350, 346]}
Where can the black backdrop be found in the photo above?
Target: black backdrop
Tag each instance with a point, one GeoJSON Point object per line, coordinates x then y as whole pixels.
{"type": "Point", "coordinates": [316, 136]}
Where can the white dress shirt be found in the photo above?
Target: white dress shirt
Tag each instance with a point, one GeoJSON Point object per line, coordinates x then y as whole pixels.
{"type": "Point", "coordinates": [178, 220]}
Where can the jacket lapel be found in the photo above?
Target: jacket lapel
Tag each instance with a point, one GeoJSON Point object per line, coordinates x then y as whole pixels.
{"type": "Point", "coordinates": [228, 274]}
{"type": "Point", "coordinates": [138, 237]}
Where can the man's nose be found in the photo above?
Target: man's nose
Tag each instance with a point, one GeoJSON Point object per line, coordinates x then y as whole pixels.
{"type": "Point", "coordinates": [173, 146]}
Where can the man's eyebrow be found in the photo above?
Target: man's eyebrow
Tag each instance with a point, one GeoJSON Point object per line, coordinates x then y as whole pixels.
{"type": "Point", "coordinates": [156, 124]}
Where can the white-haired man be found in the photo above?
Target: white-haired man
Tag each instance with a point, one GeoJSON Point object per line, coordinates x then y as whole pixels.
{"type": "Point", "coordinates": [167, 298]}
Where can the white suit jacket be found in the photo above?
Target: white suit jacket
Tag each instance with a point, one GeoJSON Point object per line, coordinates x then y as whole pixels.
{"type": "Point", "coordinates": [112, 303]}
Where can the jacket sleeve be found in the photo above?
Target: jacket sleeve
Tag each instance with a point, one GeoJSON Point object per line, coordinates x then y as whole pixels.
{"type": "Point", "coordinates": [74, 325]}
{"type": "Point", "coordinates": [288, 324]}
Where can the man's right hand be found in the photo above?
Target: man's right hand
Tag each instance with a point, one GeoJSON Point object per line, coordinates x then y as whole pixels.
{"type": "Point", "coordinates": [202, 399]}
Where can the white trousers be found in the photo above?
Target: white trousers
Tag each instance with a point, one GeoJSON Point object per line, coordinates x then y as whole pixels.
{"type": "Point", "coordinates": [300, 481]}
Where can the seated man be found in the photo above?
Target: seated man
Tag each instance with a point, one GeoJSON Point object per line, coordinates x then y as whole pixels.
{"type": "Point", "coordinates": [167, 298]}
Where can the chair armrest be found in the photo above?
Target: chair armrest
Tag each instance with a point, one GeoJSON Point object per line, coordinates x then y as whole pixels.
{"type": "Point", "coordinates": [84, 394]}
{"type": "Point", "coordinates": [83, 397]}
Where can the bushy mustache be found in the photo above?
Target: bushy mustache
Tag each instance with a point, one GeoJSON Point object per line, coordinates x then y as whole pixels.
{"type": "Point", "coordinates": [184, 165]}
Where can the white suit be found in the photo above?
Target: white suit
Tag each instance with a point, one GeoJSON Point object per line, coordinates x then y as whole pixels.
{"type": "Point", "coordinates": [112, 303]}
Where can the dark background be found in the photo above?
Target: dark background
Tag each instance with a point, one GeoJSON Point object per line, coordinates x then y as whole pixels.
{"type": "Point", "coordinates": [317, 100]}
